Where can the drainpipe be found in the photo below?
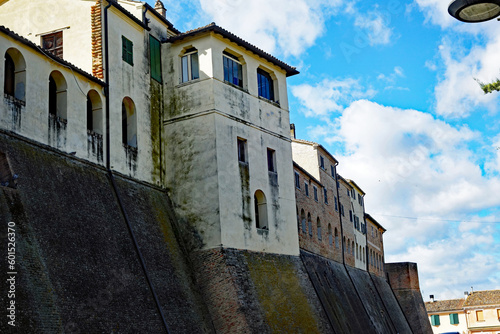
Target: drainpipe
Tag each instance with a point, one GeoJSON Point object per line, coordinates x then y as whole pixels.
{"type": "Point", "coordinates": [340, 218]}
{"type": "Point", "coordinates": [144, 19]}
{"type": "Point", "coordinates": [110, 173]}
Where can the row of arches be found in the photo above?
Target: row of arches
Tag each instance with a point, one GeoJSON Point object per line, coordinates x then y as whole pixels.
{"type": "Point", "coordinates": [354, 249]}
{"type": "Point", "coordinates": [15, 86]}
{"type": "Point", "coordinates": [375, 260]}
{"type": "Point", "coordinates": [305, 226]}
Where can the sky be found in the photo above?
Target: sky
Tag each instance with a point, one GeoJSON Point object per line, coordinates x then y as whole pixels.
{"type": "Point", "coordinates": [391, 89]}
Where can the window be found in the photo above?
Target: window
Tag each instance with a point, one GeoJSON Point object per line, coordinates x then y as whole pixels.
{"type": "Point", "coordinates": [127, 51]}
{"type": "Point", "coordinates": [303, 220]}
{"type": "Point", "coordinates": [321, 162]}
{"type": "Point", "coordinates": [306, 187]}
{"type": "Point", "coordinates": [57, 95]}
{"type": "Point", "coordinates": [309, 224]}
{"type": "Point", "coordinates": [350, 215]}
{"type": "Point", "coordinates": [242, 150]}
{"type": "Point", "coordinates": [15, 74]}
{"type": "Point", "coordinates": [155, 58]}
{"type": "Point", "coordinates": [318, 228]}
{"type": "Point", "coordinates": [233, 70]}
{"type": "Point", "coordinates": [479, 315]}
{"type": "Point", "coordinates": [333, 171]}
{"type": "Point", "coordinates": [325, 193]}
{"type": "Point", "coordinates": [336, 238]}
{"type": "Point", "coordinates": [315, 193]}
{"type": "Point", "coordinates": [94, 112]}
{"type": "Point", "coordinates": [260, 210]}
{"type": "Point", "coordinates": [265, 83]}
{"type": "Point", "coordinates": [342, 210]}
{"type": "Point", "coordinates": [435, 320]}
{"type": "Point", "coordinates": [53, 43]}
{"type": "Point", "coordinates": [352, 248]}
{"type": "Point", "coordinates": [336, 205]}
{"type": "Point", "coordinates": [330, 236]}
{"type": "Point", "coordinates": [190, 66]}
{"type": "Point", "coordinates": [129, 123]}
{"type": "Point", "coordinates": [297, 180]}
{"type": "Point", "coordinates": [271, 160]}
{"type": "Point", "coordinates": [360, 200]}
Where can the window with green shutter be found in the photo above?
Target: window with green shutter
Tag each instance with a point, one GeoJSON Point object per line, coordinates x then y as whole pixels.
{"type": "Point", "coordinates": [127, 51]}
{"type": "Point", "coordinates": [155, 58]}
{"type": "Point", "coordinates": [435, 320]}
{"type": "Point", "coordinates": [454, 318]}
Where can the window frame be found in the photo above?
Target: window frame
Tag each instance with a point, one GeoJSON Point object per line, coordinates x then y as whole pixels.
{"type": "Point", "coordinates": [192, 72]}
{"type": "Point", "coordinates": [325, 194]}
{"type": "Point", "coordinates": [435, 320]}
{"type": "Point", "coordinates": [155, 58]}
{"type": "Point", "coordinates": [233, 60]}
{"type": "Point", "coordinates": [297, 180]}
{"type": "Point", "coordinates": [261, 85]}
{"type": "Point", "coordinates": [271, 161]}
{"type": "Point", "coordinates": [478, 312]}
{"type": "Point", "coordinates": [242, 149]}
{"type": "Point", "coordinates": [55, 50]}
{"type": "Point", "coordinates": [315, 192]}
{"type": "Point", "coordinates": [306, 188]}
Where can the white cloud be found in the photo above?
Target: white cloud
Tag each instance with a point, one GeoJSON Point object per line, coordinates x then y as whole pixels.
{"type": "Point", "coordinates": [297, 27]}
{"type": "Point", "coordinates": [436, 11]}
{"type": "Point", "coordinates": [329, 96]}
{"type": "Point", "coordinates": [375, 26]}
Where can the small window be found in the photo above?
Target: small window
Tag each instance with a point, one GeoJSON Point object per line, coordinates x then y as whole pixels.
{"type": "Point", "coordinates": [260, 210]}
{"type": "Point", "coordinates": [271, 160]}
{"type": "Point", "coordinates": [350, 215]}
{"type": "Point", "coordinates": [321, 162]}
{"type": "Point", "coordinates": [325, 193]}
{"type": "Point", "coordinates": [435, 320]}
{"type": "Point", "coordinates": [303, 220]}
{"type": "Point", "coordinates": [315, 193]}
{"type": "Point", "coordinates": [265, 85]}
{"type": "Point", "coordinates": [479, 315]}
{"type": "Point", "coordinates": [233, 70]}
{"type": "Point", "coordinates": [337, 245]}
{"type": "Point", "coordinates": [53, 43]}
{"type": "Point", "coordinates": [155, 58]}
{"type": "Point", "coordinates": [336, 205]}
{"type": "Point", "coordinates": [297, 180]}
{"type": "Point", "coordinates": [318, 228]}
{"type": "Point", "coordinates": [94, 112]}
{"type": "Point", "coordinates": [306, 187]}
{"type": "Point", "coordinates": [127, 51]}
{"type": "Point", "coordinates": [348, 193]}
{"type": "Point", "coordinates": [309, 224]}
{"type": "Point", "coordinates": [190, 65]}
{"type": "Point", "coordinates": [333, 171]}
{"type": "Point", "coordinates": [129, 123]}
{"type": "Point", "coordinates": [342, 210]}
{"type": "Point", "coordinates": [15, 74]}
{"type": "Point", "coordinates": [57, 95]}
{"type": "Point", "coordinates": [330, 236]}
{"type": "Point", "coordinates": [242, 150]}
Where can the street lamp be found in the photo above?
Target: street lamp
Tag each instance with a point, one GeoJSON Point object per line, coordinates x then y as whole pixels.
{"type": "Point", "coordinates": [474, 10]}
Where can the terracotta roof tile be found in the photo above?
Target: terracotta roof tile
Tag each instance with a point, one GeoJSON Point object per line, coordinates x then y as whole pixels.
{"type": "Point", "coordinates": [483, 298]}
{"type": "Point", "coordinates": [444, 305]}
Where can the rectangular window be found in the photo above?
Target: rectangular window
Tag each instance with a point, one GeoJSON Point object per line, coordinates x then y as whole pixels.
{"type": "Point", "coordinates": [190, 66]}
{"type": "Point", "coordinates": [306, 187]}
{"type": "Point", "coordinates": [321, 162]}
{"type": "Point", "coordinates": [53, 43]}
{"type": "Point", "coordinates": [498, 314]}
{"type": "Point", "coordinates": [265, 85]}
{"type": "Point", "coordinates": [336, 205]}
{"type": "Point", "coordinates": [242, 150]}
{"type": "Point", "coordinates": [155, 58]}
{"type": "Point", "coordinates": [435, 320]}
{"type": "Point", "coordinates": [233, 71]}
{"type": "Point", "coordinates": [315, 193]}
{"type": "Point", "coordinates": [350, 215]}
{"type": "Point", "coordinates": [271, 160]}
{"type": "Point", "coordinates": [342, 210]}
{"type": "Point", "coordinates": [454, 318]}
{"type": "Point", "coordinates": [333, 171]}
{"type": "Point", "coordinates": [297, 180]}
{"type": "Point", "coordinates": [127, 51]}
{"type": "Point", "coordinates": [479, 315]}
{"type": "Point", "coordinates": [325, 193]}
{"type": "Point", "coordinates": [348, 193]}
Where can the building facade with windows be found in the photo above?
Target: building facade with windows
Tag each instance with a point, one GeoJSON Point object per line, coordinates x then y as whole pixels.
{"type": "Point", "coordinates": [478, 312]}
{"type": "Point", "coordinates": [375, 245]}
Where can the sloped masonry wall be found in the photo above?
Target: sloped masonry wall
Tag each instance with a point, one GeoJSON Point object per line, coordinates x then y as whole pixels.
{"type": "Point", "coordinates": [78, 271]}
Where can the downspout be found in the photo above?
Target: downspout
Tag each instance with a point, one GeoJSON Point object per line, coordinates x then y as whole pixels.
{"type": "Point", "coordinates": [337, 184]}
{"type": "Point", "coordinates": [110, 173]}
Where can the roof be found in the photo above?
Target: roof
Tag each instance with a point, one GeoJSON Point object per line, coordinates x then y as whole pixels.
{"type": "Point", "coordinates": [131, 16]}
{"type": "Point", "coordinates": [161, 18]}
{"type": "Point", "coordinates": [444, 305]}
{"type": "Point", "coordinates": [302, 141]}
{"type": "Point", "coordinates": [296, 165]}
{"type": "Point", "coordinates": [483, 298]}
{"type": "Point", "coordinates": [357, 187]}
{"type": "Point", "coordinates": [341, 178]}
{"type": "Point", "coordinates": [212, 27]}
{"type": "Point", "coordinates": [38, 49]}
{"type": "Point", "coordinates": [374, 221]}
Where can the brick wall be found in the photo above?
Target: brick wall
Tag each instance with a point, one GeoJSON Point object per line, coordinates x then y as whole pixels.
{"type": "Point", "coordinates": [96, 24]}
{"type": "Point", "coordinates": [376, 248]}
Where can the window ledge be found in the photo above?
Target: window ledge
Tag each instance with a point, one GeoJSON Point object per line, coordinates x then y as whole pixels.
{"type": "Point", "coordinates": [235, 86]}
{"type": "Point", "coordinates": [58, 119]}
{"type": "Point", "coordinates": [14, 100]}
{"type": "Point", "coordinates": [274, 103]}
{"type": "Point", "coordinates": [262, 231]}
{"type": "Point", "coordinates": [187, 83]}
{"type": "Point", "coordinates": [243, 163]}
{"type": "Point", "coordinates": [130, 148]}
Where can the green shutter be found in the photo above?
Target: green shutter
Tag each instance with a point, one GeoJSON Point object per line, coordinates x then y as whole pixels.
{"type": "Point", "coordinates": [435, 320]}
{"type": "Point", "coordinates": [454, 318]}
{"type": "Point", "coordinates": [155, 58]}
{"type": "Point", "coordinates": [127, 51]}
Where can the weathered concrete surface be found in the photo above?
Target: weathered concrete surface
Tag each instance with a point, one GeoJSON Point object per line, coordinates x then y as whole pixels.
{"type": "Point", "coordinates": [403, 278]}
{"type": "Point", "coordinates": [78, 271]}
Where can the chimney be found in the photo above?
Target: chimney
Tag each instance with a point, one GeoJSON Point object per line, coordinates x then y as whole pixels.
{"type": "Point", "coordinates": [466, 294]}
{"type": "Point", "coordinates": [292, 131]}
{"type": "Point", "coordinates": [160, 8]}
{"type": "Point", "coordinates": [432, 298]}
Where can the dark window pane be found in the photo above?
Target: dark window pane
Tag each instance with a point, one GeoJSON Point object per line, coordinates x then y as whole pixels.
{"type": "Point", "coordinates": [195, 72]}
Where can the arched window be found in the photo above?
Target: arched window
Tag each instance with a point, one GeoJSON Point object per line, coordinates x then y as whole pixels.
{"type": "Point", "coordinates": [94, 112]}
{"type": "Point", "coordinates": [57, 95]}
{"type": "Point", "coordinates": [337, 244]}
{"type": "Point", "coordinates": [364, 256]}
{"type": "Point", "coordinates": [260, 210]}
{"type": "Point", "coordinates": [357, 253]}
{"type": "Point", "coordinates": [330, 236]}
{"type": "Point", "coordinates": [15, 74]}
{"type": "Point", "coordinates": [318, 228]}
{"type": "Point", "coordinates": [129, 123]}
{"type": "Point", "coordinates": [309, 224]}
{"type": "Point", "coordinates": [352, 248]}
{"type": "Point", "coordinates": [303, 220]}
{"type": "Point", "coordinates": [344, 246]}
{"type": "Point", "coordinates": [265, 83]}
{"type": "Point", "coordinates": [298, 218]}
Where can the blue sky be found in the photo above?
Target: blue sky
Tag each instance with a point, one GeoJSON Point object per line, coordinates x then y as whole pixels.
{"type": "Point", "coordinates": [389, 88]}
